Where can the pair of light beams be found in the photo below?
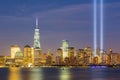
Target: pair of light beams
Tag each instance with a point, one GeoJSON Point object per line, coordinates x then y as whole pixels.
{"type": "Point", "coordinates": [95, 27]}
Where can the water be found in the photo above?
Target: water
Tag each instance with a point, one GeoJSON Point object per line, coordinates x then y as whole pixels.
{"type": "Point", "coordinates": [59, 74]}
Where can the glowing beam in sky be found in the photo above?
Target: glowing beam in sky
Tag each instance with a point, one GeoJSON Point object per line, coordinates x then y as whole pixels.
{"type": "Point", "coordinates": [101, 26]}
{"type": "Point", "coordinates": [95, 27]}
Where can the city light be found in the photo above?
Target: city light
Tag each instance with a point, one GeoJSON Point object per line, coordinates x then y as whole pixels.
{"type": "Point", "coordinates": [36, 22]}
{"type": "Point", "coordinates": [72, 34]}
{"type": "Point", "coordinates": [65, 55]}
{"type": "Point", "coordinates": [95, 27]}
{"type": "Point", "coordinates": [101, 26]}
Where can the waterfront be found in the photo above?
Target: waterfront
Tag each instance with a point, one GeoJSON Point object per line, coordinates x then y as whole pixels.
{"type": "Point", "coordinates": [59, 73]}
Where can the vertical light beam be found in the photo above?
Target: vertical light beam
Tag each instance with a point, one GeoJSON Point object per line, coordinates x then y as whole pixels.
{"type": "Point", "coordinates": [36, 22]}
{"type": "Point", "coordinates": [95, 27]}
{"type": "Point", "coordinates": [101, 27]}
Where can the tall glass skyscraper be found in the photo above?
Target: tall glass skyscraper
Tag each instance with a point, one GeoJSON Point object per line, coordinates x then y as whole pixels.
{"type": "Point", "coordinates": [65, 45]}
{"type": "Point", "coordinates": [37, 36]}
{"type": "Point", "coordinates": [37, 47]}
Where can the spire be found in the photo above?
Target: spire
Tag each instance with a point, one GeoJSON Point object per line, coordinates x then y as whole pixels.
{"type": "Point", "coordinates": [36, 22]}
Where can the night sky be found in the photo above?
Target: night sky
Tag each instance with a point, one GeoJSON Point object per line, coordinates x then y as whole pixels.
{"type": "Point", "coordinates": [58, 20]}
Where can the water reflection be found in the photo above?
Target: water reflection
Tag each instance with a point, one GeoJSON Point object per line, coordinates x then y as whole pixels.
{"type": "Point", "coordinates": [36, 74]}
{"type": "Point", "coordinates": [65, 74]}
{"type": "Point", "coordinates": [59, 74]}
{"type": "Point", "coordinates": [99, 74]}
{"type": "Point", "coordinates": [14, 74]}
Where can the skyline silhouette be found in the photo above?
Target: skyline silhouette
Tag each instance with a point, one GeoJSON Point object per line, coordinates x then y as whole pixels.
{"type": "Point", "coordinates": [58, 20]}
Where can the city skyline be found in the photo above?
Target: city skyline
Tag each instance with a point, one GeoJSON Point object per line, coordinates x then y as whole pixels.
{"type": "Point", "coordinates": [57, 22]}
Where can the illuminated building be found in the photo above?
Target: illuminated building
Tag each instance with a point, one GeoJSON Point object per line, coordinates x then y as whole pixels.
{"type": "Point", "coordinates": [109, 58]}
{"type": "Point", "coordinates": [50, 58]}
{"type": "Point", "coordinates": [59, 52]}
{"type": "Point", "coordinates": [28, 52]}
{"type": "Point", "coordinates": [10, 61]}
{"type": "Point", "coordinates": [84, 56]}
{"type": "Point", "coordinates": [14, 49]}
{"type": "Point", "coordinates": [44, 56]}
{"type": "Point", "coordinates": [113, 58]}
{"type": "Point", "coordinates": [96, 60]}
{"type": "Point", "coordinates": [59, 56]}
{"type": "Point", "coordinates": [71, 56]}
{"type": "Point", "coordinates": [53, 58]}
{"type": "Point", "coordinates": [71, 52]}
{"type": "Point", "coordinates": [2, 60]}
{"type": "Point", "coordinates": [104, 58]}
{"type": "Point", "coordinates": [118, 58]}
{"type": "Point", "coordinates": [65, 45]}
{"type": "Point", "coordinates": [80, 54]}
{"type": "Point", "coordinates": [37, 36]}
{"type": "Point", "coordinates": [37, 46]}
{"type": "Point", "coordinates": [28, 55]}
{"type": "Point", "coordinates": [89, 55]}
{"type": "Point", "coordinates": [19, 59]}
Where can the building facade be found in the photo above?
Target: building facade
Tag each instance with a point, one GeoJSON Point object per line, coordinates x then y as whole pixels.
{"type": "Point", "coordinates": [65, 45]}
{"type": "Point", "coordinates": [37, 46]}
{"type": "Point", "coordinates": [28, 56]}
{"type": "Point", "coordinates": [14, 49]}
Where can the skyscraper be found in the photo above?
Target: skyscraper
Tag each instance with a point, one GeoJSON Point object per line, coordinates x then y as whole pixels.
{"type": "Point", "coordinates": [14, 49]}
{"type": "Point", "coordinates": [28, 56]}
{"type": "Point", "coordinates": [37, 36]}
{"type": "Point", "coordinates": [59, 56]}
{"type": "Point", "coordinates": [37, 47]}
{"type": "Point", "coordinates": [65, 45]}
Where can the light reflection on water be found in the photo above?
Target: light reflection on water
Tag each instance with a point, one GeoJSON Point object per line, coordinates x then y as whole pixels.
{"type": "Point", "coordinates": [14, 74]}
{"type": "Point", "coordinates": [98, 74]}
{"type": "Point", "coordinates": [36, 74]}
{"type": "Point", "coordinates": [65, 74]}
{"type": "Point", "coordinates": [59, 74]}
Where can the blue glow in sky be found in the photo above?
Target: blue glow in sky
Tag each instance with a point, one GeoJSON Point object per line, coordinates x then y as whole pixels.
{"type": "Point", "coordinates": [101, 26]}
{"type": "Point", "coordinates": [58, 20]}
{"type": "Point", "coordinates": [95, 27]}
